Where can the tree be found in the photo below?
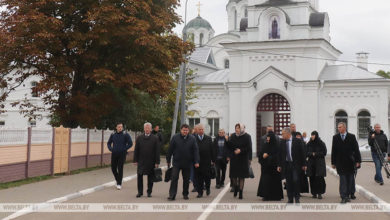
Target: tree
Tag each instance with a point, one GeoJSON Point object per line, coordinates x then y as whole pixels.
{"type": "Point", "coordinates": [383, 74]}
{"type": "Point", "coordinates": [90, 55]}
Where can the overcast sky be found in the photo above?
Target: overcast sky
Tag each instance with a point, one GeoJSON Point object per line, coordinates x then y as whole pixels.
{"type": "Point", "coordinates": [356, 25]}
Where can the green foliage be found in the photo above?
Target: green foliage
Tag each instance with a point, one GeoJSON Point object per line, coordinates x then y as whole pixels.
{"type": "Point", "coordinates": [383, 74]}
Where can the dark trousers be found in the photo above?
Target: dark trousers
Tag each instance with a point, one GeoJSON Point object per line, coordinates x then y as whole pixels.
{"type": "Point", "coordinates": [292, 181]}
{"type": "Point", "coordinates": [317, 185]}
{"type": "Point", "coordinates": [140, 183]}
{"type": "Point", "coordinates": [347, 185]}
{"type": "Point", "coordinates": [117, 161]}
{"type": "Point", "coordinates": [202, 180]}
{"type": "Point", "coordinates": [185, 172]}
{"type": "Point", "coordinates": [221, 171]}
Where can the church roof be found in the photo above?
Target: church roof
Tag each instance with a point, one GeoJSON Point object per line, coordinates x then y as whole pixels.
{"type": "Point", "coordinates": [202, 55]}
{"type": "Point", "coordinates": [198, 22]}
{"type": "Point", "coordinates": [220, 76]}
{"type": "Point", "coordinates": [346, 72]}
{"type": "Point", "coordinates": [270, 3]}
{"type": "Point", "coordinates": [236, 1]}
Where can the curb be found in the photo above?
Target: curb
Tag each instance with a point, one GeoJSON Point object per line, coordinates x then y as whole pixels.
{"type": "Point", "coordinates": [361, 190]}
{"type": "Point", "coordinates": [68, 197]}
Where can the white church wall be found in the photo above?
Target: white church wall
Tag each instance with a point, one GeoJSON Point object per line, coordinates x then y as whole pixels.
{"type": "Point", "coordinates": [352, 99]}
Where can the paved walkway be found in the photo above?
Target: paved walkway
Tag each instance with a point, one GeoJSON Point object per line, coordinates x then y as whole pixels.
{"type": "Point", "coordinates": [61, 186]}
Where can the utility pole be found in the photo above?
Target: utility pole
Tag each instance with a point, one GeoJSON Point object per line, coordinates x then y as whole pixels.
{"type": "Point", "coordinates": [181, 87]}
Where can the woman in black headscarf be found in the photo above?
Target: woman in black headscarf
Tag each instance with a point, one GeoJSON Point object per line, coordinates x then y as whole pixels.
{"type": "Point", "coordinates": [316, 167]}
{"type": "Point", "coordinates": [270, 185]}
{"type": "Point", "coordinates": [240, 146]}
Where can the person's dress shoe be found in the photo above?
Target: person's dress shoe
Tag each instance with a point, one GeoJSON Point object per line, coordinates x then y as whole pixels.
{"type": "Point", "coordinates": [319, 196]}
{"type": "Point", "coordinates": [217, 186]}
{"type": "Point", "coordinates": [381, 183]}
{"type": "Point", "coordinates": [314, 196]}
{"type": "Point", "coordinates": [297, 201]}
{"type": "Point", "coordinates": [240, 195]}
{"type": "Point", "coordinates": [207, 191]}
{"type": "Point", "coordinates": [139, 195]}
{"type": "Point", "coordinates": [185, 197]}
{"type": "Point", "coordinates": [343, 201]}
{"type": "Point", "coordinates": [353, 197]}
{"type": "Point", "coordinates": [290, 201]}
{"type": "Point", "coordinates": [194, 190]}
{"type": "Point", "coordinates": [199, 196]}
{"type": "Point", "coordinates": [171, 198]}
{"type": "Point", "coordinates": [149, 195]}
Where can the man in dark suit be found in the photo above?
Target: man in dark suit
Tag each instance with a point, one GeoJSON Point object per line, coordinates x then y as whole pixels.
{"type": "Point", "coordinates": [345, 159]}
{"type": "Point", "coordinates": [206, 158]}
{"type": "Point", "coordinates": [291, 162]}
{"type": "Point", "coordinates": [185, 153]}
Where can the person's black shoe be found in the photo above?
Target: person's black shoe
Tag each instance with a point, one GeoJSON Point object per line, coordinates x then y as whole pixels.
{"type": "Point", "coordinates": [217, 186]}
{"type": "Point", "coordinates": [297, 201]}
{"type": "Point", "coordinates": [208, 192]}
{"type": "Point", "coordinates": [314, 196]}
{"type": "Point", "coordinates": [343, 201]}
{"type": "Point", "coordinates": [185, 197]}
{"type": "Point", "coordinates": [235, 191]}
{"type": "Point", "coordinates": [149, 195]}
{"type": "Point", "coordinates": [381, 183]}
{"type": "Point", "coordinates": [319, 196]}
{"type": "Point", "coordinates": [194, 190]}
{"type": "Point", "coordinates": [199, 196]}
{"type": "Point", "coordinates": [240, 195]}
{"type": "Point", "coordinates": [171, 198]}
{"type": "Point", "coordinates": [290, 201]}
{"type": "Point", "coordinates": [353, 197]}
{"type": "Point", "coordinates": [139, 195]}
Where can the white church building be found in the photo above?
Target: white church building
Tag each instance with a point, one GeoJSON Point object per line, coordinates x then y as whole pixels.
{"type": "Point", "coordinates": [276, 65]}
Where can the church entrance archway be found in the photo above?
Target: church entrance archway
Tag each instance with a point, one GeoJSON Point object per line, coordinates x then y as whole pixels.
{"type": "Point", "coordinates": [273, 109]}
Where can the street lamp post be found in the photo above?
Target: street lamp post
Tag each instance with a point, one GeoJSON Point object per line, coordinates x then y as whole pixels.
{"type": "Point", "coordinates": [181, 87]}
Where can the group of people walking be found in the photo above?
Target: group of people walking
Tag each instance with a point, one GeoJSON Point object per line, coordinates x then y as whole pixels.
{"type": "Point", "coordinates": [290, 157]}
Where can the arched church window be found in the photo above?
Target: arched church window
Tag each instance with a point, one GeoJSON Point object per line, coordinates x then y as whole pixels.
{"type": "Point", "coordinates": [191, 37]}
{"type": "Point", "coordinates": [235, 19]}
{"type": "Point", "coordinates": [364, 120]}
{"type": "Point", "coordinates": [246, 12]}
{"type": "Point", "coordinates": [274, 31]}
{"type": "Point", "coordinates": [227, 64]}
{"type": "Point", "coordinates": [201, 36]}
{"type": "Point", "coordinates": [340, 116]}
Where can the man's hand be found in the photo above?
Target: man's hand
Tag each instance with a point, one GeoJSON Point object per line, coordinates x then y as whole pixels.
{"type": "Point", "coordinates": [237, 151]}
{"type": "Point", "coordinates": [373, 135]}
{"type": "Point", "coordinates": [304, 168]}
{"type": "Point", "coordinates": [314, 154]}
{"type": "Point", "coordinates": [357, 165]}
{"type": "Point", "coordinates": [168, 164]}
{"type": "Point", "coordinates": [156, 165]}
{"type": "Point", "coordinates": [279, 169]}
{"type": "Point", "coordinates": [333, 166]}
{"type": "Point", "coordinates": [265, 155]}
{"type": "Point", "coordinates": [226, 137]}
{"type": "Point", "coordinates": [196, 165]}
{"type": "Point", "coordinates": [228, 159]}
{"type": "Point", "coordinates": [212, 163]}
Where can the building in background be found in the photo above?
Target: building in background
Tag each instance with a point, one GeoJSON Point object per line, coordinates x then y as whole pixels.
{"type": "Point", "coordinates": [276, 65]}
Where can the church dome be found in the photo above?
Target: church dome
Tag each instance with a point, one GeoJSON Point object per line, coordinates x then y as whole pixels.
{"type": "Point", "coordinates": [197, 23]}
{"type": "Point", "coordinates": [236, 1]}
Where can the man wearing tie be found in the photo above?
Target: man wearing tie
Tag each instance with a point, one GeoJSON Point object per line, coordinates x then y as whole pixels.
{"type": "Point", "coordinates": [345, 159]}
{"type": "Point", "coordinates": [291, 162]}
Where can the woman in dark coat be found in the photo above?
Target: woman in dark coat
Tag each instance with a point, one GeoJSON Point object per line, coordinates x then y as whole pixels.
{"type": "Point", "coordinates": [304, 183]}
{"type": "Point", "coordinates": [316, 168]}
{"type": "Point", "coordinates": [240, 145]}
{"type": "Point", "coordinates": [270, 185]}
